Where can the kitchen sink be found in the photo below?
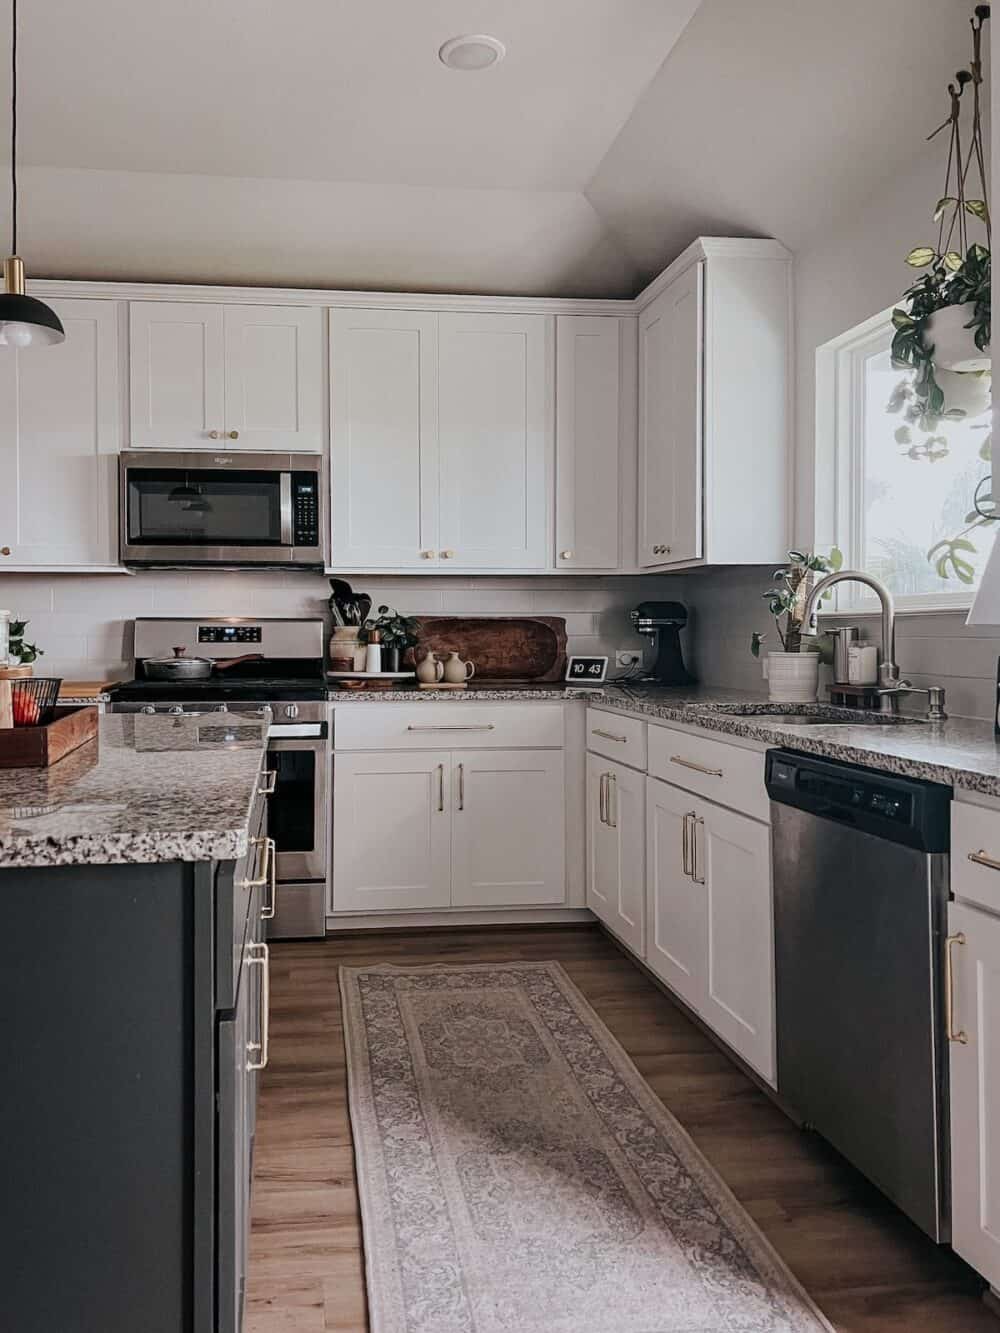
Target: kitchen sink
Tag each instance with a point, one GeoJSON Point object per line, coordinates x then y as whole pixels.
{"type": "Point", "coordinates": [820, 717]}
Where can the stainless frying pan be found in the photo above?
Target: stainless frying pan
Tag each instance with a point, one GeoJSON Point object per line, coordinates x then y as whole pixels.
{"type": "Point", "coordinates": [182, 667]}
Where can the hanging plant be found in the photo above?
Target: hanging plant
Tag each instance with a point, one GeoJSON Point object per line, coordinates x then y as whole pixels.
{"type": "Point", "coordinates": [944, 321]}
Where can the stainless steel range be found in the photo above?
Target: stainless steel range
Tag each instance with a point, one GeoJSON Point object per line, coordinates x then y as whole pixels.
{"type": "Point", "coordinates": [284, 673]}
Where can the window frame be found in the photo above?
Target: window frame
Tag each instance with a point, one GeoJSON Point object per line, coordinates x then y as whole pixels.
{"type": "Point", "coordinates": [839, 474]}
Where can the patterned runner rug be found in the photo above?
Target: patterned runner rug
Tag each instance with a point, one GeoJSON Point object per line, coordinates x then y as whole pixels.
{"type": "Point", "coordinates": [518, 1176]}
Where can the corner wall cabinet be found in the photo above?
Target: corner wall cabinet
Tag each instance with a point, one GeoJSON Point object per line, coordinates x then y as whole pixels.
{"type": "Point", "coordinates": [243, 377]}
{"type": "Point", "coordinates": [714, 417]}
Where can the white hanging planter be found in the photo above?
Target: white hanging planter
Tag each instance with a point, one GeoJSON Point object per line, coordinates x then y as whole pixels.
{"type": "Point", "coordinates": [792, 678]}
{"type": "Point", "coordinates": [953, 344]}
{"type": "Point", "coordinates": [964, 391]}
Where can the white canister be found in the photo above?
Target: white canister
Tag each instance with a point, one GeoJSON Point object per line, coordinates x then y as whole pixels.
{"type": "Point", "coordinates": [862, 664]}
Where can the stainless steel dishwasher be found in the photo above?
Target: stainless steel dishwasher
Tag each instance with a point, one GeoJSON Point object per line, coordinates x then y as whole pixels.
{"type": "Point", "coordinates": [860, 887]}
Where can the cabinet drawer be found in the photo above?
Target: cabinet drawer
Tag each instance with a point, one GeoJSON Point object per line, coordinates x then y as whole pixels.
{"type": "Point", "coordinates": [234, 897]}
{"type": "Point", "coordinates": [620, 738]}
{"type": "Point", "coordinates": [975, 831]}
{"type": "Point", "coordinates": [452, 726]}
{"type": "Point", "coordinates": [724, 773]}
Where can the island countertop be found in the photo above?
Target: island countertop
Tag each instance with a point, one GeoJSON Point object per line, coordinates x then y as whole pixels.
{"type": "Point", "coordinates": [148, 789]}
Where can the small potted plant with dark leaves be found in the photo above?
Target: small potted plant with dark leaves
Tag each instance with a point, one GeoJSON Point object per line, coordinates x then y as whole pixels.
{"type": "Point", "coordinates": [20, 653]}
{"type": "Point", "coordinates": [396, 632]}
{"type": "Point", "coordinates": [793, 672]}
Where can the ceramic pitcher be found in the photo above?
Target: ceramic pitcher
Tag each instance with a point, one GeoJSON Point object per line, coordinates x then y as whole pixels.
{"type": "Point", "coordinates": [429, 670]}
{"type": "Point", "coordinates": [456, 672]}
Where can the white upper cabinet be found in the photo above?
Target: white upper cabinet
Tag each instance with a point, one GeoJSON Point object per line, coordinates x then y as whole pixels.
{"type": "Point", "coordinates": [206, 376]}
{"type": "Point", "coordinates": [494, 402]}
{"type": "Point", "coordinates": [714, 395]}
{"type": "Point", "coordinates": [384, 438]}
{"type": "Point", "coordinates": [274, 378]}
{"type": "Point", "coordinates": [595, 439]}
{"type": "Point", "coordinates": [60, 409]}
{"type": "Point", "coordinates": [670, 423]}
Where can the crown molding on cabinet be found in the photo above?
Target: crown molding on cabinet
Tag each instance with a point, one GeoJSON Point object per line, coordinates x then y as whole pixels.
{"type": "Point", "coordinates": [709, 247]}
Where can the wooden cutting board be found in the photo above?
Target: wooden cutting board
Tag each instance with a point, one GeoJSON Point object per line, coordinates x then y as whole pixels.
{"type": "Point", "coordinates": [504, 648]}
{"type": "Point", "coordinates": [85, 689]}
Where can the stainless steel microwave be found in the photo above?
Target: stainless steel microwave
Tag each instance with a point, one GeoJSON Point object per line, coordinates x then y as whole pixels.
{"type": "Point", "coordinates": [235, 509]}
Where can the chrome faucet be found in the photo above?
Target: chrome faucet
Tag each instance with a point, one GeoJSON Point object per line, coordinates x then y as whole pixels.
{"type": "Point", "coordinates": [888, 672]}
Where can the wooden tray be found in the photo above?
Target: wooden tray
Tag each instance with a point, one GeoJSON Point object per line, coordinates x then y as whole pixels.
{"type": "Point", "coordinates": [38, 747]}
{"type": "Point", "coordinates": [504, 648]}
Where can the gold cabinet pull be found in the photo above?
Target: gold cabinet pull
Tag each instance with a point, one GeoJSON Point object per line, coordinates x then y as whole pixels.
{"type": "Point", "coordinates": [267, 908]}
{"type": "Point", "coordinates": [215, 434]}
{"type": "Point", "coordinates": [686, 845]}
{"type": "Point", "coordinates": [461, 786]}
{"type": "Point", "coordinates": [695, 821]}
{"type": "Point", "coordinates": [4, 550]}
{"type": "Point", "coordinates": [249, 881]}
{"type": "Point", "coordinates": [269, 784]}
{"type": "Point", "coordinates": [949, 989]}
{"type": "Point", "coordinates": [602, 798]}
{"type": "Point", "coordinates": [565, 555]}
{"type": "Point", "coordinates": [609, 736]}
{"type": "Point", "coordinates": [698, 768]}
{"type": "Point", "coordinates": [440, 789]}
{"type": "Point", "coordinates": [457, 726]}
{"type": "Point", "coordinates": [426, 555]}
{"type": "Point", "coordinates": [981, 859]}
{"type": "Point", "coordinates": [261, 959]}
{"type": "Point", "coordinates": [233, 434]}
{"type": "Point", "coordinates": [447, 555]}
{"type": "Point", "coordinates": [612, 783]}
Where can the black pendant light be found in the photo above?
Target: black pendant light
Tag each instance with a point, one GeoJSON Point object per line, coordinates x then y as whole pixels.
{"type": "Point", "coordinates": [24, 322]}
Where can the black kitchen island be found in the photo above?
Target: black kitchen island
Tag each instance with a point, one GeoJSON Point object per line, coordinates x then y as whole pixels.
{"type": "Point", "coordinates": [136, 880]}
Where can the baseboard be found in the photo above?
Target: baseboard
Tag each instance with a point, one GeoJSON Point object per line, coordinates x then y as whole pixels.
{"type": "Point", "coordinates": [544, 916]}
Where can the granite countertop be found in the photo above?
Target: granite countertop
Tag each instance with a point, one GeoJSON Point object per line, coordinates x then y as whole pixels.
{"type": "Point", "coordinates": [503, 691]}
{"type": "Point", "coordinates": [148, 789]}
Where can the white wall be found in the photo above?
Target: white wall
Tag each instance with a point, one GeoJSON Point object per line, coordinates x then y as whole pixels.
{"type": "Point", "coordinates": [82, 622]}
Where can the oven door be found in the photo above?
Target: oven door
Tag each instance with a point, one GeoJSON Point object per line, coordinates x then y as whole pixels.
{"type": "Point", "coordinates": [298, 812]}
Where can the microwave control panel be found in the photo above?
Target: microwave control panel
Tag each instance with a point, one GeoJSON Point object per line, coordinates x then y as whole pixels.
{"type": "Point", "coordinates": [305, 509]}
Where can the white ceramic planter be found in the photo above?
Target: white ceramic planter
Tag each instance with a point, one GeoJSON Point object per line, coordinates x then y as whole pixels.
{"type": "Point", "coordinates": [969, 393]}
{"type": "Point", "coordinates": [954, 346]}
{"type": "Point", "coordinates": [792, 678]}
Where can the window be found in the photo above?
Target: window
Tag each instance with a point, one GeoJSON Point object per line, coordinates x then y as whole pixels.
{"type": "Point", "coordinates": [899, 496]}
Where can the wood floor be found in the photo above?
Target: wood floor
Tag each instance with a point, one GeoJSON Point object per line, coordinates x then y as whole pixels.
{"type": "Point", "coordinates": [869, 1269]}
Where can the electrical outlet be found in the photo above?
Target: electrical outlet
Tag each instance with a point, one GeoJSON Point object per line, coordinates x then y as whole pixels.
{"type": "Point", "coordinates": [626, 657]}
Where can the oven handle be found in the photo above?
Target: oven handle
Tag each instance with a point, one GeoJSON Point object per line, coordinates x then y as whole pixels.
{"type": "Point", "coordinates": [284, 733]}
{"type": "Point", "coordinates": [285, 504]}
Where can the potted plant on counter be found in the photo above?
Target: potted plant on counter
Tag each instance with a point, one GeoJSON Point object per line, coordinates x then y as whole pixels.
{"type": "Point", "coordinates": [793, 672]}
{"type": "Point", "coordinates": [396, 632]}
{"type": "Point", "coordinates": [20, 654]}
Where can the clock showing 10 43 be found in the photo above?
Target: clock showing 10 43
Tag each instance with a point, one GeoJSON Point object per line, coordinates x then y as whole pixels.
{"type": "Point", "coordinates": [587, 670]}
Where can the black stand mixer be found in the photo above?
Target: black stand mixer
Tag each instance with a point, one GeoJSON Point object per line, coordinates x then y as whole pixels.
{"type": "Point", "coordinates": [661, 623]}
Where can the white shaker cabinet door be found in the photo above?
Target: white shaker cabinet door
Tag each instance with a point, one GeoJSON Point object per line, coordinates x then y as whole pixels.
{"type": "Point", "coordinates": [60, 410]}
{"type": "Point", "coordinates": [384, 438]}
{"type": "Point", "coordinates": [616, 849]}
{"type": "Point", "coordinates": [392, 831]}
{"type": "Point", "coordinates": [589, 468]}
{"type": "Point", "coordinates": [509, 839]}
{"type": "Point", "coordinates": [974, 945]}
{"type": "Point", "coordinates": [177, 375]}
{"type": "Point", "coordinates": [675, 902]}
{"type": "Point", "coordinates": [274, 378]}
{"type": "Point", "coordinates": [732, 855]}
{"type": "Point", "coordinates": [671, 388]}
{"type": "Point", "coordinates": [494, 377]}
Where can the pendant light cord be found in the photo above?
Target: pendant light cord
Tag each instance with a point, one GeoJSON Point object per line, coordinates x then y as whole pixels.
{"type": "Point", "coordinates": [13, 128]}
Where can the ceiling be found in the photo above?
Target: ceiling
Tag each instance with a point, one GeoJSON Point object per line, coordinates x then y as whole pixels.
{"type": "Point", "coordinates": [338, 90]}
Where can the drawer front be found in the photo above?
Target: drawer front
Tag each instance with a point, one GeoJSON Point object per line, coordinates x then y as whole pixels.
{"type": "Point", "coordinates": [235, 889]}
{"type": "Point", "coordinates": [975, 832]}
{"type": "Point", "coordinates": [616, 737]}
{"type": "Point", "coordinates": [727, 774]}
{"type": "Point", "coordinates": [448, 726]}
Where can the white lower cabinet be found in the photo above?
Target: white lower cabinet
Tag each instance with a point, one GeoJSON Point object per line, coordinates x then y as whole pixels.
{"type": "Point", "coordinates": [974, 944]}
{"type": "Point", "coordinates": [430, 829]}
{"type": "Point", "coordinates": [616, 849]}
{"type": "Point", "coordinates": [391, 831]}
{"type": "Point", "coordinates": [508, 829]}
{"type": "Point", "coordinates": [709, 926]}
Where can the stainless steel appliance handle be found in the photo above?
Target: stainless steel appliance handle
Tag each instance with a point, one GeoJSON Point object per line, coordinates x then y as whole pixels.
{"type": "Point", "coordinates": [296, 730]}
{"type": "Point", "coordinates": [459, 726]}
{"type": "Point", "coordinates": [609, 735]}
{"type": "Point", "coordinates": [612, 804]}
{"type": "Point", "coordinates": [697, 820]}
{"type": "Point", "coordinates": [285, 507]}
{"type": "Point", "coordinates": [698, 768]}
{"type": "Point", "coordinates": [949, 989]}
{"type": "Point", "coordinates": [271, 857]}
{"type": "Point", "coordinates": [261, 959]}
{"type": "Point", "coordinates": [251, 882]}
{"type": "Point", "coordinates": [980, 858]}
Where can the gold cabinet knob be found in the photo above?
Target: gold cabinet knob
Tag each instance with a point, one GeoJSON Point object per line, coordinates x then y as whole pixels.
{"type": "Point", "coordinates": [426, 555]}
{"type": "Point", "coordinates": [215, 434]}
{"type": "Point", "coordinates": [4, 550]}
{"type": "Point", "coordinates": [565, 555]}
{"type": "Point", "coordinates": [447, 555]}
{"type": "Point", "coordinates": [234, 434]}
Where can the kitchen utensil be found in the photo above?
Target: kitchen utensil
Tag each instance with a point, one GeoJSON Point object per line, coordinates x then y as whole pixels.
{"type": "Point", "coordinates": [182, 667]}
{"type": "Point", "coordinates": [457, 672]}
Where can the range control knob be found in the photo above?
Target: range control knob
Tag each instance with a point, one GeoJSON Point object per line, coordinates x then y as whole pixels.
{"type": "Point", "coordinates": [222, 708]}
{"type": "Point", "coordinates": [175, 709]}
{"type": "Point", "coordinates": [291, 710]}
{"type": "Point", "coordinates": [147, 708]}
